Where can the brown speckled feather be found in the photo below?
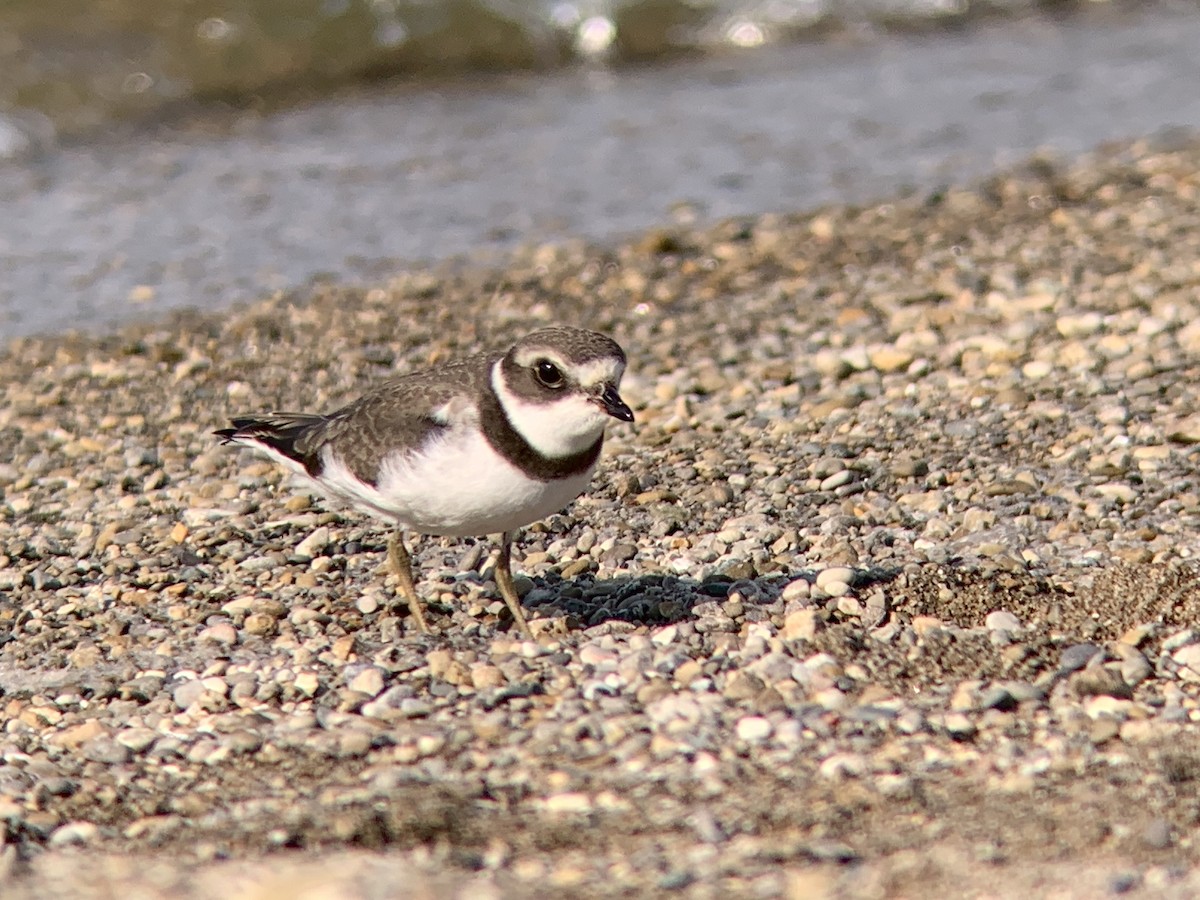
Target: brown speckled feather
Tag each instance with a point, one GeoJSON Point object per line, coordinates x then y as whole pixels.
{"type": "Point", "coordinates": [396, 414]}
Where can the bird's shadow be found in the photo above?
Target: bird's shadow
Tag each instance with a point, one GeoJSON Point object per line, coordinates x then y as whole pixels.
{"type": "Point", "coordinates": [650, 599]}
{"type": "Point", "coordinates": [664, 599]}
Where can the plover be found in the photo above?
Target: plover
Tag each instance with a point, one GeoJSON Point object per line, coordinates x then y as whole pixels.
{"type": "Point", "coordinates": [476, 446]}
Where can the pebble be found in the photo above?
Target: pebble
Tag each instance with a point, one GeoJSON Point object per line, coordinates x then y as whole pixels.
{"type": "Point", "coordinates": [839, 576]}
{"type": "Point", "coordinates": [797, 590]}
{"type": "Point", "coordinates": [74, 833]}
{"type": "Point", "coordinates": [1002, 620]}
{"type": "Point", "coordinates": [753, 729]}
{"type": "Point", "coordinates": [221, 633]}
{"type": "Point", "coordinates": [1077, 656]}
{"type": "Point", "coordinates": [307, 683]}
{"type": "Point", "coordinates": [370, 681]}
{"type": "Point", "coordinates": [1187, 658]}
{"type": "Point", "coordinates": [312, 545]}
{"type": "Point", "coordinates": [190, 693]}
{"type": "Point", "coordinates": [801, 625]}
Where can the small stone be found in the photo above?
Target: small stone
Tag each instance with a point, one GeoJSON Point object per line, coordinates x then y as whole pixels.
{"type": "Point", "coordinates": [1081, 325]}
{"type": "Point", "coordinates": [259, 624]}
{"type": "Point", "coordinates": [1099, 681]}
{"type": "Point", "coordinates": [367, 604]}
{"type": "Point", "coordinates": [354, 744]}
{"type": "Point", "coordinates": [1135, 668]}
{"type": "Point", "coordinates": [1122, 493]}
{"type": "Point", "coordinates": [238, 607]}
{"type": "Point", "coordinates": [566, 803]}
{"type": "Point", "coordinates": [664, 636]}
{"type": "Point", "coordinates": [1157, 834]}
{"type": "Point", "coordinates": [457, 673]}
{"type": "Point", "coordinates": [575, 569]}
{"type": "Point", "coordinates": [41, 822]}
{"type": "Point", "coordinates": [1137, 635]}
{"type": "Point", "coordinates": [73, 834]}
{"type": "Point", "coordinates": [959, 726]}
{"type": "Point", "coordinates": [1104, 730]}
{"type": "Point", "coordinates": [998, 698]}
{"type": "Point", "coordinates": [484, 677]}
{"type": "Point", "coordinates": [801, 625]}
{"type": "Point", "coordinates": [890, 359]}
{"type": "Point", "coordinates": [834, 575]}
{"type": "Point", "coordinates": [753, 729]}
{"type": "Point", "coordinates": [1188, 658]}
{"type": "Point", "coordinates": [922, 625]}
{"type": "Point", "coordinates": [595, 655]}
{"type": "Point", "coordinates": [369, 681]}
{"type": "Point", "coordinates": [1002, 620]}
{"type": "Point", "coordinates": [1037, 369]}
{"type": "Point", "coordinates": [107, 751]}
{"type": "Point", "coordinates": [841, 766]}
{"type": "Point", "coordinates": [1180, 639]}
{"type": "Point", "coordinates": [739, 569]}
{"type": "Point", "coordinates": [1077, 656]}
{"type": "Point", "coordinates": [910, 468]}
{"type": "Point", "coordinates": [189, 693]}
{"type": "Point", "coordinates": [1124, 882]}
{"type": "Point", "coordinates": [438, 661]}
{"type": "Point", "coordinates": [221, 633]}
{"type": "Point", "coordinates": [687, 672]}
{"type": "Point", "coordinates": [1185, 431]}
{"type": "Point", "coordinates": [837, 480]}
{"type": "Point", "coordinates": [796, 590]}
{"type": "Point", "coordinates": [307, 683]}
{"type": "Point", "coordinates": [136, 739]}
{"type": "Point", "coordinates": [302, 615]}
{"type": "Point", "coordinates": [743, 686]}
{"type": "Point", "coordinates": [312, 545]}
{"type": "Point", "coordinates": [836, 588]}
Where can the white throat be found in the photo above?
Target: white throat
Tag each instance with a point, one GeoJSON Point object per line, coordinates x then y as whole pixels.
{"type": "Point", "coordinates": [556, 430]}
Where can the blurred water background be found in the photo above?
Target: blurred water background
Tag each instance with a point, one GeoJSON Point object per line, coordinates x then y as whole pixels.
{"type": "Point", "coordinates": [163, 155]}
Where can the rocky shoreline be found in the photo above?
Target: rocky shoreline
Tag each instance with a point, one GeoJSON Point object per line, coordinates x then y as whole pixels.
{"type": "Point", "coordinates": [891, 587]}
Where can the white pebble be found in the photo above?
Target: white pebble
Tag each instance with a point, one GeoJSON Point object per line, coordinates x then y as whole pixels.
{"type": "Point", "coordinates": [834, 575]}
{"type": "Point", "coordinates": [313, 544]}
{"type": "Point", "coordinates": [73, 833]}
{"type": "Point", "coordinates": [1002, 620]}
{"type": "Point", "coordinates": [753, 729]}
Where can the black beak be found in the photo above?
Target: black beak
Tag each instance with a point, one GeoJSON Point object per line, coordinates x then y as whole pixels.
{"type": "Point", "coordinates": [610, 401]}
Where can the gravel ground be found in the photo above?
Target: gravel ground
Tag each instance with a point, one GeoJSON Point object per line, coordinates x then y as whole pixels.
{"type": "Point", "coordinates": [889, 591]}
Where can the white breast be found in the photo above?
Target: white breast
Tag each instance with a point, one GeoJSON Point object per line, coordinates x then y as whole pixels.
{"type": "Point", "coordinates": [458, 485]}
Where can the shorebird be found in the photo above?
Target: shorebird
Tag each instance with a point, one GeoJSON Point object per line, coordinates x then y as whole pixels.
{"type": "Point", "coordinates": [480, 445]}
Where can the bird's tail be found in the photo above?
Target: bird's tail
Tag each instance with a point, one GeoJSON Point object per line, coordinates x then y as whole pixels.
{"type": "Point", "coordinates": [289, 436]}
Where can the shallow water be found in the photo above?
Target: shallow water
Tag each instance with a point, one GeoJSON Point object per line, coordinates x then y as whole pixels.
{"type": "Point", "coordinates": [206, 213]}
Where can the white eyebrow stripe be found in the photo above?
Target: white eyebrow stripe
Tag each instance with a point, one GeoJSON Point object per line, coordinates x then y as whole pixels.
{"type": "Point", "coordinates": [528, 356]}
{"type": "Point", "coordinates": [589, 374]}
{"type": "Point", "coordinates": [599, 371]}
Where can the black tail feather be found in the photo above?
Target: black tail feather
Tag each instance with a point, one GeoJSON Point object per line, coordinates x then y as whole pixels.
{"type": "Point", "coordinates": [289, 434]}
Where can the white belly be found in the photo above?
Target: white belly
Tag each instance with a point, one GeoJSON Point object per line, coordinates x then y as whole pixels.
{"type": "Point", "coordinates": [459, 487]}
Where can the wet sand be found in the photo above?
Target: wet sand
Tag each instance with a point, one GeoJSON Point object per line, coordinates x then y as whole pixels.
{"type": "Point", "coordinates": [890, 591]}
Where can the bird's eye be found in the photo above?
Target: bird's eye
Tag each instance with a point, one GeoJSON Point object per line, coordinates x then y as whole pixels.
{"type": "Point", "coordinates": [548, 374]}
